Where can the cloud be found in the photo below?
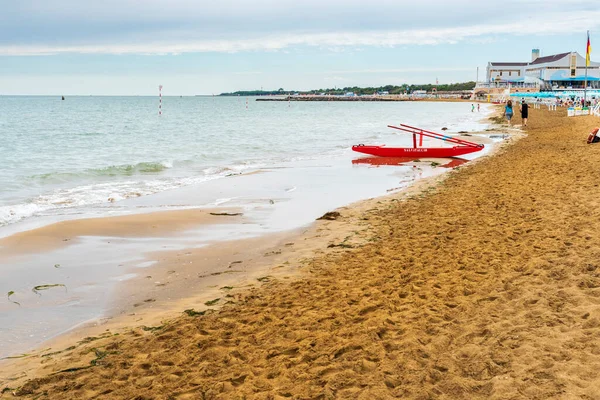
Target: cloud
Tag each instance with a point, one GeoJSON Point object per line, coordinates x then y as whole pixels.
{"type": "Point", "coordinates": [185, 26]}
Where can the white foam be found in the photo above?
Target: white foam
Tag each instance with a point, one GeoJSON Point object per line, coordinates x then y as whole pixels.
{"type": "Point", "coordinates": [218, 202]}
{"type": "Point", "coordinates": [145, 264]}
{"type": "Point", "coordinates": [92, 194]}
{"type": "Point", "coordinates": [124, 277]}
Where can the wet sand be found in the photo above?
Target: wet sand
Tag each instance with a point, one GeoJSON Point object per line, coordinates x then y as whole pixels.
{"type": "Point", "coordinates": [485, 285]}
{"type": "Point", "coordinates": [60, 234]}
{"type": "Point", "coordinates": [106, 291]}
{"type": "Point", "coordinates": [109, 273]}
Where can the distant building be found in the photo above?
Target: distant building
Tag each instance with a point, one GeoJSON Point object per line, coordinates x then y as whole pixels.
{"type": "Point", "coordinates": [555, 72]}
{"type": "Point", "coordinates": [349, 94]}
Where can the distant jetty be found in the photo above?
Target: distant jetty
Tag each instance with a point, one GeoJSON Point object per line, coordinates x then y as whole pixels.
{"type": "Point", "coordinates": [334, 98]}
{"type": "Point", "coordinates": [363, 98]}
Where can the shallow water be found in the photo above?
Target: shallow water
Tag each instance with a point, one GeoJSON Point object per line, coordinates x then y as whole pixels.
{"type": "Point", "coordinates": [59, 156]}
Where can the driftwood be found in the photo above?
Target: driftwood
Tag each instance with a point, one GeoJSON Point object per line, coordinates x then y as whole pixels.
{"type": "Point", "coordinates": [226, 214]}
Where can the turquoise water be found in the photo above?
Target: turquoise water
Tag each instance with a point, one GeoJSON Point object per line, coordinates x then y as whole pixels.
{"type": "Point", "coordinates": [60, 156]}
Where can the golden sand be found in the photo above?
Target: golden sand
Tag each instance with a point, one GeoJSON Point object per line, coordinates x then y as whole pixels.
{"type": "Point", "coordinates": [485, 287]}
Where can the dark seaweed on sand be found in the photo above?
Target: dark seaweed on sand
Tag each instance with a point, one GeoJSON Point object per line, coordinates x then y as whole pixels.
{"type": "Point", "coordinates": [37, 288]}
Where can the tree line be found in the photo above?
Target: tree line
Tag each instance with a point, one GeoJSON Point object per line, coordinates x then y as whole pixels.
{"type": "Point", "coordinates": [391, 89]}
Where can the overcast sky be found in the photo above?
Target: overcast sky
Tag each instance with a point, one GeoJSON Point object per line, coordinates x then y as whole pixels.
{"type": "Point", "coordinates": [203, 47]}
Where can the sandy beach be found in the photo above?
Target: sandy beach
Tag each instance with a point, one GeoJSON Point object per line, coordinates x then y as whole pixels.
{"type": "Point", "coordinates": [480, 285]}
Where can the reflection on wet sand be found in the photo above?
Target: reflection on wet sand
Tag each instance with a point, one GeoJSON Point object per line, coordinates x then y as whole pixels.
{"type": "Point", "coordinates": [377, 161]}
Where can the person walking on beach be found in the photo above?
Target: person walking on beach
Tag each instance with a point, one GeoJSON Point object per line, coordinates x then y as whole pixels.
{"type": "Point", "coordinates": [478, 107]}
{"type": "Point", "coordinates": [508, 111]}
{"type": "Point", "coordinates": [472, 108]}
{"type": "Point", "coordinates": [524, 112]}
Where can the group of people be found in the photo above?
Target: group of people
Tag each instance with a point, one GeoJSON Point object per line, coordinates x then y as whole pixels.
{"type": "Point", "coordinates": [523, 108]}
{"type": "Point", "coordinates": [570, 102]}
{"type": "Point", "coordinates": [576, 102]}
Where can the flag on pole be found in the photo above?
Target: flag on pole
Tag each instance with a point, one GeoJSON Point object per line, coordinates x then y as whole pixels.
{"type": "Point", "coordinates": [588, 51]}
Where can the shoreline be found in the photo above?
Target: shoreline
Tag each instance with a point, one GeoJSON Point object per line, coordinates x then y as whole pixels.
{"type": "Point", "coordinates": [148, 232]}
{"type": "Point", "coordinates": [88, 264]}
{"type": "Point", "coordinates": [484, 287]}
{"type": "Point", "coordinates": [158, 264]}
{"type": "Point", "coordinates": [133, 205]}
{"type": "Point", "coordinates": [140, 307]}
{"type": "Point", "coordinates": [286, 260]}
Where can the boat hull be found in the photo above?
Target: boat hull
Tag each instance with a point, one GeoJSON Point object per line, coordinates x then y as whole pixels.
{"type": "Point", "coordinates": [424, 152]}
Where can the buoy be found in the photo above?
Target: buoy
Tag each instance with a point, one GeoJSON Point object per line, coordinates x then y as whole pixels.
{"type": "Point", "coordinates": [592, 138]}
{"type": "Point", "coordinates": [160, 99]}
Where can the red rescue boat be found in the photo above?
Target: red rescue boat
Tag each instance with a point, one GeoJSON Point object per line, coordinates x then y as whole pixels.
{"type": "Point", "coordinates": [462, 146]}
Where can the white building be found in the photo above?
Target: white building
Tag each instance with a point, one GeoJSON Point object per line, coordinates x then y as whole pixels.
{"type": "Point", "coordinates": [555, 72]}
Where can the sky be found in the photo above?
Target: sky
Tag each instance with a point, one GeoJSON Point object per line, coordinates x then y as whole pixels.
{"type": "Point", "coordinates": [192, 47]}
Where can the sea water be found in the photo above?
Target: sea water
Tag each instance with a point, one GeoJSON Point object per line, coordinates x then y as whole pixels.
{"type": "Point", "coordinates": [283, 163]}
{"type": "Point", "coordinates": [63, 157]}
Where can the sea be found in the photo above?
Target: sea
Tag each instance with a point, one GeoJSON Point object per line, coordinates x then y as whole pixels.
{"type": "Point", "coordinates": [66, 157]}
{"type": "Point", "coordinates": [283, 163]}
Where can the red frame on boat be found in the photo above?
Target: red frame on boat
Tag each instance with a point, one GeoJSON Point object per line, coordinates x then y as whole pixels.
{"type": "Point", "coordinates": [435, 135]}
{"type": "Point", "coordinates": [463, 146]}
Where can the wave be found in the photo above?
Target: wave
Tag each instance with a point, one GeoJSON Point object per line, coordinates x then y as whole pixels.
{"type": "Point", "coordinates": [98, 192]}
{"type": "Point", "coordinates": [88, 195]}
{"type": "Point", "coordinates": [128, 169]}
{"type": "Point", "coordinates": [142, 168]}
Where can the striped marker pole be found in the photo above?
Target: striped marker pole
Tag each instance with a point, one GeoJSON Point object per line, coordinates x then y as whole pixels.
{"type": "Point", "coordinates": [159, 99]}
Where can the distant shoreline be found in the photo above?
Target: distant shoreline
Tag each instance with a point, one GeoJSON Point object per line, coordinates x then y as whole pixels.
{"type": "Point", "coordinates": [454, 97]}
